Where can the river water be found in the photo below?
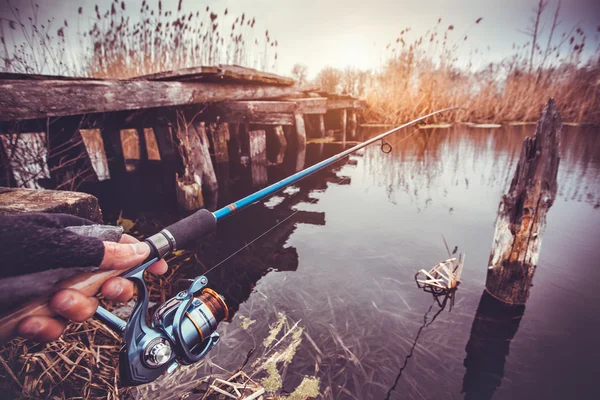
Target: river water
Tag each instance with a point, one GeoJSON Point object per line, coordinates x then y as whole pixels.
{"type": "Point", "coordinates": [343, 266]}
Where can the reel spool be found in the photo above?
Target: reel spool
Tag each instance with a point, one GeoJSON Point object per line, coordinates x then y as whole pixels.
{"type": "Point", "coordinates": [198, 323]}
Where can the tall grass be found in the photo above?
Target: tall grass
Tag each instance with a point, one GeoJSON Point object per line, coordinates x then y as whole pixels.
{"type": "Point", "coordinates": [113, 45]}
{"type": "Point", "coordinates": [428, 73]}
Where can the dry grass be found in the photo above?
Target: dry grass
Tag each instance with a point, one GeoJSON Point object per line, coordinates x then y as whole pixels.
{"type": "Point", "coordinates": [267, 372]}
{"type": "Point", "coordinates": [80, 364]}
{"type": "Point", "coordinates": [432, 72]}
{"type": "Point", "coordinates": [113, 45]}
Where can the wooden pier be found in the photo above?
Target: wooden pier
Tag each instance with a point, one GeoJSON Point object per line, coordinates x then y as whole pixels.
{"type": "Point", "coordinates": [174, 130]}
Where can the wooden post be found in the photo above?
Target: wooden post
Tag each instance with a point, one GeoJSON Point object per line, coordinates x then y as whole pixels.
{"type": "Point", "coordinates": [300, 141]}
{"type": "Point", "coordinates": [343, 120]}
{"type": "Point", "coordinates": [235, 150]}
{"type": "Point", "coordinates": [494, 327]}
{"type": "Point", "coordinates": [352, 123]}
{"type": "Point", "coordinates": [257, 141]}
{"type": "Point", "coordinates": [201, 158]}
{"type": "Point", "coordinates": [199, 172]}
{"type": "Point", "coordinates": [321, 125]}
{"type": "Point", "coordinates": [522, 212]}
{"type": "Point", "coordinates": [277, 145]}
{"type": "Point", "coordinates": [220, 138]}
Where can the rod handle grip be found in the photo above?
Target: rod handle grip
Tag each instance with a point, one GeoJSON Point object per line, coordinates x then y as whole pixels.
{"type": "Point", "coordinates": [192, 227]}
{"type": "Point", "coordinates": [87, 283]}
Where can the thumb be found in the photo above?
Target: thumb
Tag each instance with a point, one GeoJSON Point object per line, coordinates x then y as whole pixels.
{"type": "Point", "coordinates": [123, 256]}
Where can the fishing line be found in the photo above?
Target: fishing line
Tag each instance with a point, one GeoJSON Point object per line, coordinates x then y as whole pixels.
{"type": "Point", "coordinates": [297, 211]}
{"type": "Point", "coordinates": [267, 231]}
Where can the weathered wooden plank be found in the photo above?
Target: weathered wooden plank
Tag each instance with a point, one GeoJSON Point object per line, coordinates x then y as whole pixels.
{"type": "Point", "coordinates": [258, 145]}
{"type": "Point", "coordinates": [352, 123]}
{"type": "Point", "coordinates": [250, 74]}
{"type": "Point", "coordinates": [221, 73]}
{"type": "Point", "coordinates": [37, 77]}
{"type": "Point", "coordinates": [94, 145]}
{"type": "Point", "coordinates": [29, 99]}
{"type": "Point", "coordinates": [181, 74]}
{"type": "Point", "coordinates": [258, 157]}
{"type": "Point", "coordinates": [358, 104]}
{"type": "Point", "coordinates": [257, 112]}
{"type": "Point", "coordinates": [336, 104]}
{"type": "Point", "coordinates": [280, 144]}
{"type": "Point", "coordinates": [322, 131]}
{"type": "Point", "coordinates": [17, 201]}
{"type": "Point", "coordinates": [220, 138]}
{"type": "Point", "coordinates": [522, 212]}
{"type": "Point", "coordinates": [27, 156]}
{"type": "Point", "coordinates": [314, 105]}
{"type": "Point", "coordinates": [201, 157]}
{"type": "Point", "coordinates": [198, 169]}
{"type": "Point", "coordinates": [235, 145]}
{"type": "Point", "coordinates": [300, 141]}
{"type": "Point", "coordinates": [343, 121]}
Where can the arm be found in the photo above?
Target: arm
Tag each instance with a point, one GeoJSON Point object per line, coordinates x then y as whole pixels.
{"type": "Point", "coordinates": [35, 242]}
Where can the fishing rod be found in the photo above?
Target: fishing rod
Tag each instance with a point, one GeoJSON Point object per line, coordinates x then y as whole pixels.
{"type": "Point", "coordinates": [183, 329]}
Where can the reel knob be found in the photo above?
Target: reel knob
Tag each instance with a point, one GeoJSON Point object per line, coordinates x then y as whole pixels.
{"type": "Point", "coordinates": [157, 353]}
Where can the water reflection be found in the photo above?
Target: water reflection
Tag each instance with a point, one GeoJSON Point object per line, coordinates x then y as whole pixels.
{"type": "Point", "coordinates": [494, 327]}
{"type": "Point", "coordinates": [423, 161]}
{"type": "Point", "coordinates": [236, 281]}
{"type": "Point", "coordinates": [344, 265]}
{"type": "Point", "coordinates": [447, 298]}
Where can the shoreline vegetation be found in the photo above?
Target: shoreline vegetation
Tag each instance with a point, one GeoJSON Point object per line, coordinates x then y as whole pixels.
{"type": "Point", "coordinates": [113, 45]}
{"type": "Point", "coordinates": [428, 73]}
{"type": "Point", "coordinates": [432, 71]}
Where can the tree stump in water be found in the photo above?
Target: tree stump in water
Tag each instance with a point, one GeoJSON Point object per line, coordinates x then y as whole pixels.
{"type": "Point", "coordinates": [522, 212]}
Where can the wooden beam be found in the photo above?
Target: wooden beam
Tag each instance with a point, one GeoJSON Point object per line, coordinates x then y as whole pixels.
{"type": "Point", "coordinates": [30, 99]}
{"type": "Point", "coordinates": [358, 104]}
{"type": "Point", "coordinates": [221, 73]}
{"type": "Point", "coordinates": [336, 104]}
{"type": "Point", "coordinates": [314, 105]}
{"type": "Point", "coordinates": [257, 112]}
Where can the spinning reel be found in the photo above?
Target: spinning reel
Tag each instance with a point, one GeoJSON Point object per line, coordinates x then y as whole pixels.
{"type": "Point", "coordinates": [181, 331]}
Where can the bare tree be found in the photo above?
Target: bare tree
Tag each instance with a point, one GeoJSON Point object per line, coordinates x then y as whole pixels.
{"type": "Point", "coordinates": [300, 73]}
{"type": "Point", "coordinates": [329, 79]}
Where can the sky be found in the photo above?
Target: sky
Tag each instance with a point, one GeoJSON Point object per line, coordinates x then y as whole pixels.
{"type": "Point", "coordinates": [320, 33]}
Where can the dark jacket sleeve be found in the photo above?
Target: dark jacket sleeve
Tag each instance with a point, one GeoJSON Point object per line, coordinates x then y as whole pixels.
{"type": "Point", "coordinates": [37, 242]}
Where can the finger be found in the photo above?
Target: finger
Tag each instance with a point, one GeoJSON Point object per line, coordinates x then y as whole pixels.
{"type": "Point", "coordinates": [118, 289]}
{"type": "Point", "coordinates": [41, 329]}
{"type": "Point", "coordinates": [159, 267]}
{"type": "Point", "coordinates": [73, 305]}
{"type": "Point", "coordinates": [123, 256]}
{"type": "Point", "coordinates": [128, 239]}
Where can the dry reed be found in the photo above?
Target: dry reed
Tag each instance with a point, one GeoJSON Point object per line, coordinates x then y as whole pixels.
{"type": "Point", "coordinates": [115, 46]}
{"type": "Point", "coordinates": [427, 73]}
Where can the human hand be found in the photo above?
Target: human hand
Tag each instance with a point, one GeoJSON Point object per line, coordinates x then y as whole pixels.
{"type": "Point", "coordinates": [70, 304]}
